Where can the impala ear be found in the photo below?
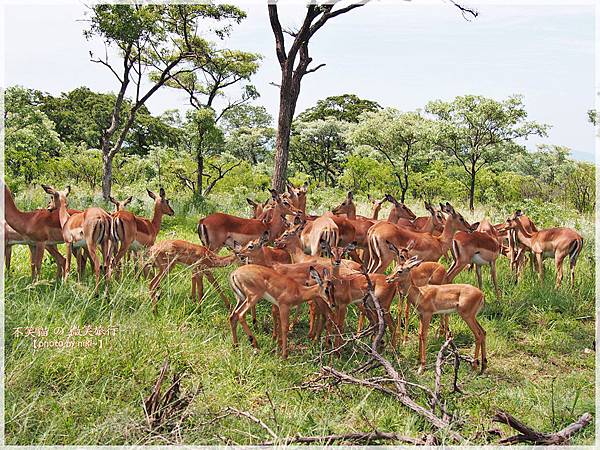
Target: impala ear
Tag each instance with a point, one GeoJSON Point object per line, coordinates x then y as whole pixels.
{"type": "Point", "coordinates": [264, 238]}
{"type": "Point", "coordinates": [252, 203]}
{"type": "Point", "coordinates": [305, 187]}
{"type": "Point", "coordinates": [325, 272]}
{"type": "Point", "coordinates": [112, 200]}
{"type": "Point", "coordinates": [128, 201]}
{"type": "Point", "coordinates": [236, 246]}
{"type": "Point", "coordinates": [162, 193]}
{"type": "Point", "coordinates": [351, 247]}
{"type": "Point", "coordinates": [315, 275]}
{"type": "Point", "coordinates": [48, 189]}
{"type": "Point", "coordinates": [151, 194]}
{"type": "Point", "coordinates": [274, 194]}
{"type": "Point", "coordinates": [392, 247]}
{"type": "Point", "coordinates": [68, 191]}
{"type": "Point", "coordinates": [350, 195]}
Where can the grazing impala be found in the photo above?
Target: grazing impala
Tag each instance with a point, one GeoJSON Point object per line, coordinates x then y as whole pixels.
{"type": "Point", "coordinates": [478, 248]}
{"type": "Point", "coordinates": [218, 229]}
{"type": "Point", "coordinates": [251, 283]}
{"type": "Point", "coordinates": [464, 299]}
{"type": "Point", "coordinates": [165, 255]}
{"type": "Point", "coordinates": [427, 246]}
{"type": "Point", "coordinates": [554, 243]}
{"type": "Point", "coordinates": [39, 228]}
{"type": "Point", "coordinates": [88, 228]}
{"type": "Point", "coordinates": [136, 233]}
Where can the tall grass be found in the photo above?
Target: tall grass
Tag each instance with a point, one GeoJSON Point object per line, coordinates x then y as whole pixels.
{"type": "Point", "coordinates": [541, 368]}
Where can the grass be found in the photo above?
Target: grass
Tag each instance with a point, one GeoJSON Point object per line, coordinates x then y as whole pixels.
{"type": "Point", "coordinates": [540, 366]}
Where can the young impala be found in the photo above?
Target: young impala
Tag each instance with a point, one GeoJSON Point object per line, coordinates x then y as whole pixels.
{"type": "Point", "coordinates": [554, 243]}
{"type": "Point", "coordinates": [165, 255]}
{"type": "Point", "coordinates": [251, 283]}
{"type": "Point", "coordinates": [428, 272]}
{"type": "Point", "coordinates": [464, 299]}
{"type": "Point", "coordinates": [88, 228]}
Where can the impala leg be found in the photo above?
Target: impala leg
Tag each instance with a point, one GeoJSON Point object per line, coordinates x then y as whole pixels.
{"type": "Point", "coordinates": [540, 265]}
{"type": "Point", "coordinates": [361, 321]}
{"type": "Point", "coordinates": [296, 317]}
{"type": "Point", "coordinates": [212, 280]}
{"type": "Point", "coordinates": [311, 319]}
{"type": "Point", "coordinates": [406, 317]}
{"type": "Point", "coordinates": [399, 316]}
{"type": "Point", "coordinates": [558, 259]}
{"type": "Point", "coordinates": [479, 279]}
{"type": "Point", "coordinates": [424, 322]}
{"type": "Point", "coordinates": [572, 263]}
{"type": "Point", "coordinates": [58, 258]}
{"type": "Point", "coordinates": [7, 256]}
{"type": "Point", "coordinates": [494, 278]}
{"type": "Point", "coordinates": [198, 283]}
{"type": "Point", "coordinates": [238, 315]}
{"type": "Point", "coordinates": [479, 335]}
{"type": "Point", "coordinates": [39, 256]}
{"type": "Point", "coordinates": [68, 254]}
{"type": "Point", "coordinates": [341, 321]}
{"type": "Point", "coordinates": [284, 319]}
{"type": "Point", "coordinates": [275, 335]}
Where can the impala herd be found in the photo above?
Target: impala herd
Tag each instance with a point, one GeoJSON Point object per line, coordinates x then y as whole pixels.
{"type": "Point", "coordinates": [307, 260]}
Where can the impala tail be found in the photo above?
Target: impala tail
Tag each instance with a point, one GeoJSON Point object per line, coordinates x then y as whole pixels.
{"type": "Point", "coordinates": [203, 234]}
{"type": "Point", "coordinates": [575, 249]}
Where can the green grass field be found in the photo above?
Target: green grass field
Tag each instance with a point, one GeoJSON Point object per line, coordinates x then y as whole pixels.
{"type": "Point", "coordinates": [541, 368]}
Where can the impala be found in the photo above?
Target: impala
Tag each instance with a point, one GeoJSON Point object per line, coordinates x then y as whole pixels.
{"type": "Point", "coordinates": [251, 283]}
{"type": "Point", "coordinates": [321, 229]}
{"type": "Point", "coordinates": [554, 243]}
{"type": "Point", "coordinates": [39, 228]}
{"type": "Point", "coordinates": [218, 229]}
{"type": "Point", "coordinates": [425, 273]}
{"type": "Point", "coordinates": [165, 255]}
{"type": "Point", "coordinates": [88, 228]}
{"type": "Point", "coordinates": [297, 195]}
{"type": "Point", "coordinates": [464, 299]}
{"type": "Point", "coordinates": [427, 246]}
{"type": "Point", "coordinates": [136, 233]}
{"type": "Point", "coordinates": [479, 248]}
{"type": "Point", "coordinates": [257, 252]}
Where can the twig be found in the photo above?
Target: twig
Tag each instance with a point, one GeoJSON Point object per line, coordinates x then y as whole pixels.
{"type": "Point", "coordinates": [254, 419]}
{"type": "Point", "coordinates": [438, 374]}
{"type": "Point", "coordinates": [375, 435]}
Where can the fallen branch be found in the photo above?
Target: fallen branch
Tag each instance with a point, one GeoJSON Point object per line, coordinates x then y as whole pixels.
{"type": "Point", "coordinates": [350, 437]}
{"type": "Point", "coordinates": [528, 434]}
{"type": "Point", "coordinates": [438, 374]}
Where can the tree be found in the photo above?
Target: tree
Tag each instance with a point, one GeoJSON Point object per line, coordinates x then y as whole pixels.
{"type": "Point", "coordinates": [398, 136]}
{"type": "Point", "coordinates": [479, 131]}
{"type": "Point", "coordinates": [30, 136]}
{"type": "Point", "coordinates": [219, 69]}
{"type": "Point", "coordinates": [151, 40]}
{"type": "Point", "coordinates": [249, 134]}
{"type": "Point", "coordinates": [292, 71]}
{"type": "Point", "coordinates": [82, 115]}
{"type": "Point", "coordinates": [319, 148]}
{"type": "Point", "coordinates": [346, 107]}
{"type": "Point", "coordinates": [593, 116]}
{"type": "Point", "coordinates": [581, 186]}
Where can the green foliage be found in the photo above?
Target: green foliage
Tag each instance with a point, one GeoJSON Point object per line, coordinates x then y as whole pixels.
{"type": "Point", "coordinates": [30, 136]}
{"type": "Point", "coordinates": [480, 131]}
{"type": "Point", "coordinates": [346, 107]}
{"type": "Point", "coordinates": [318, 148]}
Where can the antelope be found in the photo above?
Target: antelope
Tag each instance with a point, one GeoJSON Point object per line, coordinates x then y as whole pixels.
{"type": "Point", "coordinates": [257, 252]}
{"type": "Point", "coordinates": [377, 204]}
{"type": "Point", "coordinates": [164, 255]}
{"type": "Point", "coordinates": [136, 233]}
{"type": "Point", "coordinates": [218, 229]}
{"type": "Point", "coordinates": [427, 246]}
{"type": "Point", "coordinates": [297, 195]}
{"type": "Point", "coordinates": [399, 210]}
{"type": "Point", "coordinates": [323, 228]}
{"type": "Point", "coordinates": [478, 248]}
{"type": "Point", "coordinates": [251, 283]}
{"type": "Point", "coordinates": [40, 229]}
{"type": "Point", "coordinates": [361, 224]}
{"type": "Point", "coordinates": [554, 243]}
{"type": "Point", "coordinates": [87, 228]}
{"type": "Point", "coordinates": [516, 249]}
{"type": "Point", "coordinates": [428, 272]}
{"type": "Point", "coordinates": [257, 208]}
{"type": "Point", "coordinates": [464, 299]}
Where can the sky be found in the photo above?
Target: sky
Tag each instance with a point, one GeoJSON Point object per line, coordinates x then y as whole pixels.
{"type": "Point", "coordinates": [400, 54]}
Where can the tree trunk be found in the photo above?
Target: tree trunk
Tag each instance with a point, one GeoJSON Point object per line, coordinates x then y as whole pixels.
{"type": "Point", "coordinates": [472, 191]}
{"type": "Point", "coordinates": [106, 174]}
{"type": "Point", "coordinates": [200, 166]}
{"type": "Point", "coordinates": [404, 189]}
{"type": "Point", "coordinates": [282, 141]}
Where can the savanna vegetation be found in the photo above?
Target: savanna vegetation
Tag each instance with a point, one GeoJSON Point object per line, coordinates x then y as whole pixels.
{"type": "Point", "coordinates": [211, 157]}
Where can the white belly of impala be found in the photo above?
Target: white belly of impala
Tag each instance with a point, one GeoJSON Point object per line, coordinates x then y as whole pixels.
{"type": "Point", "coordinates": [445, 311]}
{"type": "Point", "coordinates": [477, 259]}
{"type": "Point", "coordinates": [270, 298]}
{"type": "Point", "coordinates": [78, 244]}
